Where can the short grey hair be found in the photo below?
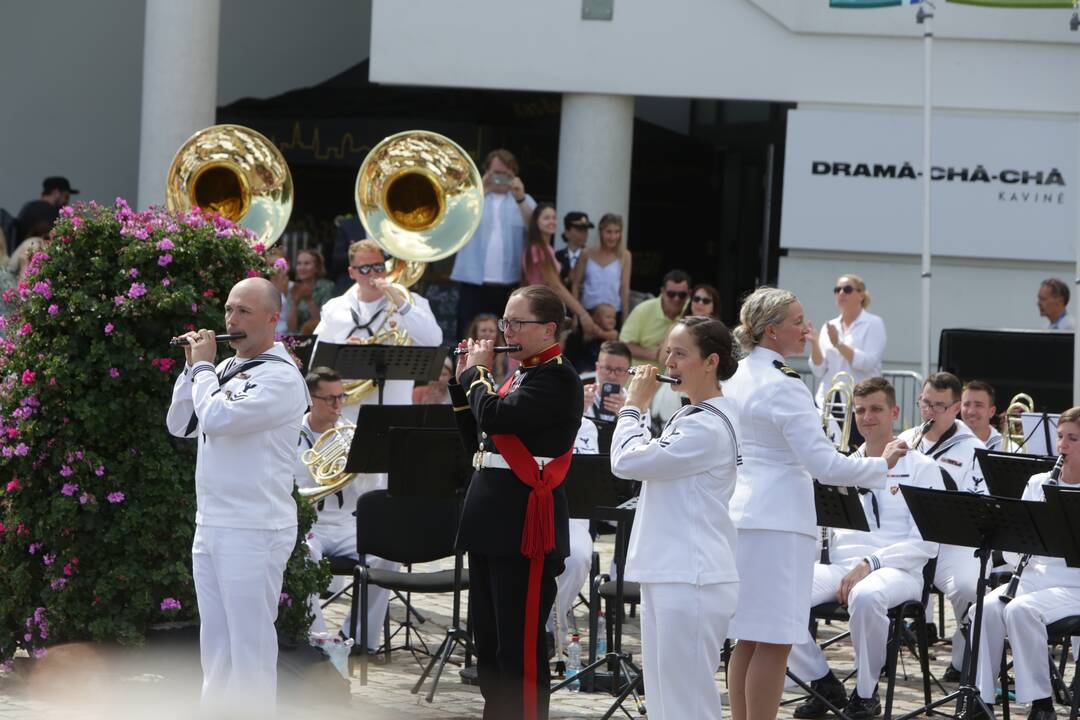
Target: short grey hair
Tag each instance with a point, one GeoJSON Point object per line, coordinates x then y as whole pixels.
{"type": "Point", "coordinates": [761, 308]}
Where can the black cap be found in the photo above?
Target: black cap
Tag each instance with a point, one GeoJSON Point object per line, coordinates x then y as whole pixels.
{"type": "Point", "coordinates": [57, 183]}
{"type": "Point", "coordinates": [576, 219]}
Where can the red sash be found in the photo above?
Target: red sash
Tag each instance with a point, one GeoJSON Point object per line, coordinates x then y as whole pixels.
{"type": "Point", "coordinates": [537, 538]}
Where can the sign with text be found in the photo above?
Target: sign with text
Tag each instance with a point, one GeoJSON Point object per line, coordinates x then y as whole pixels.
{"type": "Point", "coordinates": [1002, 186]}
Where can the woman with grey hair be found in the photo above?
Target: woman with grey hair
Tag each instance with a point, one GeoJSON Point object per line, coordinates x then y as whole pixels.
{"type": "Point", "coordinates": [784, 449]}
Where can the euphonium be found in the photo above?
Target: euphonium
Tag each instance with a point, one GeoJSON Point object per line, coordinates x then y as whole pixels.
{"type": "Point", "coordinates": [325, 461]}
{"type": "Point", "coordinates": [1012, 431]}
{"type": "Point", "coordinates": [237, 173]}
{"type": "Point", "coordinates": [843, 385]}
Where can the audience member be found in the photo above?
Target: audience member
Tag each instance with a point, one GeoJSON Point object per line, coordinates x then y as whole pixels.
{"type": "Point", "coordinates": [603, 274]}
{"type": "Point", "coordinates": [1052, 300]}
{"type": "Point", "coordinates": [56, 192]}
{"type": "Point", "coordinates": [583, 347]}
{"type": "Point", "coordinates": [705, 300]}
{"type": "Point", "coordinates": [485, 326]}
{"type": "Point", "coordinates": [539, 266]}
{"type": "Point", "coordinates": [576, 226]}
{"type": "Point", "coordinates": [436, 391]}
{"type": "Point", "coordinates": [308, 292]}
{"type": "Point", "coordinates": [488, 268]}
{"type": "Point", "coordinates": [605, 397]}
{"type": "Point", "coordinates": [649, 323]}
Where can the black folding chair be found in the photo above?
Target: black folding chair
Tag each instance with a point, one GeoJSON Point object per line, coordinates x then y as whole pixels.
{"type": "Point", "coordinates": [1059, 632]}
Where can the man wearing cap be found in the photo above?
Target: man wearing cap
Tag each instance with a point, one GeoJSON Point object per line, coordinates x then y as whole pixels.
{"type": "Point", "coordinates": [56, 192]}
{"type": "Point", "coordinates": [575, 235]}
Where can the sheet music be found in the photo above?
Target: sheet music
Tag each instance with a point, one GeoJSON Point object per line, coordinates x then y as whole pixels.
{"type": "Point", "coordinates": [1035, 433]}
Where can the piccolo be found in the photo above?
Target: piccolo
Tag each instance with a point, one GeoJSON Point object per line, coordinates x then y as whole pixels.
{"type": "Point", "coordinates": [219, 338]}
{"type": "Point", "coordinates": [458, 352]}
{"type": "Point", "coordinates": [660, 378]}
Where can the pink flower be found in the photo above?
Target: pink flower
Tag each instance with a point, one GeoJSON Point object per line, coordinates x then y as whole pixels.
{"type": "Point", "coordinates": [166, 282]}
{"type": "Point", "coordinates": [100, 471]}
{"type": "Point", "coordinates": [163, 364]}
{"type": "Point", "coordinates": [48, 558]}
{"type": "Point", "coordinates": [170, 604]}
{"type": "Point", "coordinates": [69, 489]}
{"type": "Point", "coordinates": [13, 485]}
{"type": "Point", "coordinates": [208, 294]}
{"type": "Point", "coordinates": [252, 272]}
{"type": "Point", "coordinates": [281, 264]}
{"type": "Point", "coordinates": [28, 376]}
{"type": "Point", "coordinates": [33, 548]}
{"type": "Point", "coordinates": [259, 248]}
{"type": "Point", "coordinates": [24, 330]}
{"type": "Point", "coordinates": [284, 599]}
{"type": "Point", "coordinates": [136, 290]}
{"type": "Point", "coordinates": [119, 299]}
{"type": "Point", "coordinates": [58, 583]}
{"type": "Point", "coordinates": [165, 244]}
{"type": "Point", "coordinates": [115, 497]}
{"type": "Point", "coordinates": [21, 449]}
{"type": "Point", "coordinates": [84, 498]}
{"type": "Point", "coordinates": [164, 260]}
{"type": "Point", "coordinates": [134, 272]}
{"type": "Point", "coordinates": [77, 222]}
{"type": "Point", "coordinates": [53, 309]}
{"type": "Point", "coordinates": [66, 471]}
{"type": "Point", "coordinates": [108, 328]}
{"type": "Point", "coordinates": [114, 373]}
{"type": "Point", "coordinates": [194, 308]}
{"type": "Point", "coordinates": [67, 569]}
{"type": "Point", "coordinates": [68, 211]}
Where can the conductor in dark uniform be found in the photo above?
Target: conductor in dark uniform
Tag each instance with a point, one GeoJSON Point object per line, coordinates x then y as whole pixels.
{"type": "Point", "coordinates": [515, 523]}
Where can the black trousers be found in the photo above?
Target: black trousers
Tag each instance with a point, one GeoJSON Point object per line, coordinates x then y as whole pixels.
{"type": "Point", "coordinates": [497, 592]}
{"type": "Point", "coordinates": [476, 299]}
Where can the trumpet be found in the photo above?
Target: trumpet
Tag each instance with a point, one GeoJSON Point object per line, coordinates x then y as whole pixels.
{"type": "Point", "coordinates": [458, 352]}
{"type": "Point", "coordinates": [217, 338]}
{"type": "Point", "coordinates": [659, 378]}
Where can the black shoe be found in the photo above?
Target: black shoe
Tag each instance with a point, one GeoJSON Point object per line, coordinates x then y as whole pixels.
{"type": "Point", "coordinates": [863, 708]}
{"type": "Point", "coordinates": [1042, 710]}
{"type": "Point", "coordinates": [549, 638]}
{"type": "Point", "coordinates": [952, 675]}
{"type": "Point", "coordinates": [932, 637]}
{"type": "Point", "coordinates": [834, 692]}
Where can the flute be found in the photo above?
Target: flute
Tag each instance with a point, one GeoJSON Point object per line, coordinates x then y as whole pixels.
{"type": "Point", "coordinates": [1014, 581]}
{"type": "Point", "coordinates": [219, 338]}
{"type": "Point", "coordinates": [660, 378]}
{"type": "Point", "coordinates": [458, 352]}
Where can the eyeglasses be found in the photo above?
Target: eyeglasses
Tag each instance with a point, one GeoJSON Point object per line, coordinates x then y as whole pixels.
{"type": "Point", "coordinates": [702, 299]}
{"type": "Point", "coordinates": [365, 269]}
{"type": "Point", "coordinates": [332, 399]}
{"type": "Point", "coordinates": [515, 325]}
{"type": "Point", "coordinates": [846, 289]}
{"type": "Point", "coordinates": [935, 406]}
{"type": "Point", "coordinates": [617, 372]}
{"type": "Point", "coordinates": [677, 294]}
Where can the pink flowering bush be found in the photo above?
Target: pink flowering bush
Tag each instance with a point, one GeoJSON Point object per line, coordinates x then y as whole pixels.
{"type": "Point", "coordinates": [97, 500]}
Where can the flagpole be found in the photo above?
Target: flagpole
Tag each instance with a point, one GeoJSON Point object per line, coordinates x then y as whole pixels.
{"type": "Point", "coordinates": [925, 18]}
{"type": "Point", "coordinates": [1076, 285]}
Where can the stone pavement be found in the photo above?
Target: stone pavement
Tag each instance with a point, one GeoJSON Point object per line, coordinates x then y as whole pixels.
{"type": "Point", "coordinates": [162, 680]}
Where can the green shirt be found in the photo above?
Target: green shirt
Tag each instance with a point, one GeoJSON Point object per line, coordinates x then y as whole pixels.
{"type": "Point", "coordinates": [647, 325]}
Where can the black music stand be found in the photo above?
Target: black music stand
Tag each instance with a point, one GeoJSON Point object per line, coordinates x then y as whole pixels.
{"type": "Point", "coordinates": [1007, 474]}
{"type": "Point", "coordinates": [1067, 502]}
{"type": "Point", "coordinates": [381, 362]}
{"type": "Point", "coordinates": [985, 523]}
{"type": "Point", "coordinates": [439, 472]}
{"type": "Point", "coordinates": [370, 450]}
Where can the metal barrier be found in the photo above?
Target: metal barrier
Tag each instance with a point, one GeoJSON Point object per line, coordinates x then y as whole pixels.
{"type": "Point", "coordinates": [908, 385]}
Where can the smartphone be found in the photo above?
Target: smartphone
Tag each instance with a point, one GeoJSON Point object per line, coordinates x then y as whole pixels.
{"type": "Point", "coordinates": [500, 179]}
{"type": "Point", "coordinates": [609, 388]}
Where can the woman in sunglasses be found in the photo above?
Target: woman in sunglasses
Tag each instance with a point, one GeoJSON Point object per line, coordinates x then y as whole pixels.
{"type": "Point", "coordinates": [705, 301]}
{"type": "Point", "coordinates": [853, 342]}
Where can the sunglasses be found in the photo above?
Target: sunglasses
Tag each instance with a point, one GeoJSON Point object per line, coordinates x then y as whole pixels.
{"type": "Point", "coordinates": [702, 299]}
{"type": "Point", "coordinates": [677, 294]}
{"type": "Point", "coordinates": [846, 289]}
{"type": "Point", "coordinates": [366, 269]}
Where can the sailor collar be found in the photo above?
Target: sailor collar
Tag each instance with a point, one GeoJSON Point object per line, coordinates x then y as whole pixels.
{"type": "Point", "coordinates": [546, 355]}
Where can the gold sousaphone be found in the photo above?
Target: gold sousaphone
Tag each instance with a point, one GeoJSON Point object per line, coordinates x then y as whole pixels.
{"type": "Point", "coordinates": [420, 197]}
{"type": "Point", "coordinates": [237, 173]}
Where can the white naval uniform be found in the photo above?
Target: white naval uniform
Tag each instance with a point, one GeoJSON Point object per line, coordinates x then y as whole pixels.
{"type": "Point", "coordinates": [1048, 591]}
{"type": "Point", "coordinates": [783, 448]}
{"type": "Point", "coordinates": [245, 523]}
{"type": "Point", "coordinates": [957, 573]}
{"type": "Point", "coordinates": [334, 534]}
{"type": "Point", "coordinates": [576, 566]}
{"type": "Point", "coordinates": [896, 552]}
{"type": "Point", "coordinates": [994, 441]}
{"type": "Point", "coordinates": [682, 550]}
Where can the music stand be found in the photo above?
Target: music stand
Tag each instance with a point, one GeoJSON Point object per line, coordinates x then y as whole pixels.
{"type": "Point", "coordinates": [985, 523]}
{"type": "Point", "coordinates": [381, 362]}
{"type": "Point", "coordinates": [1040, 429]}
{"type": "Point", "coordinates": [437, 473]}
{"type": "Point", "coordinates": [1067, 502]}
{"type": "Point", "coordinates": [370, 450]}
{"type": "Point", "coordinates": [1007, 474]}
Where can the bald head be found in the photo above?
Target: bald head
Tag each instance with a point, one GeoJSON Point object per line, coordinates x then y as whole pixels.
{"type": "Point", "coordinates": [253, 308]}
{"type": "Point", "coordinates": [262, 290]}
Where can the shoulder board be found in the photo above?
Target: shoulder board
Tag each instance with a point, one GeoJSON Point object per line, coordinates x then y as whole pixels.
{"type": "Point", "coordinates": [785, 369]}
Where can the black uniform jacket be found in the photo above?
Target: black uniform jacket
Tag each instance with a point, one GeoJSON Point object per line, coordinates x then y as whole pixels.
{"type": "Point", "coordinates": [544, 411]}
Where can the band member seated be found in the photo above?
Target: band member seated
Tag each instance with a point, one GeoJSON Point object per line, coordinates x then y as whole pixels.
{"type": "Point", "coordinates": [952, 445]}
{"type": "Point", "coordinates": [245, 414]}
{"type": "Point", "coordinates": [1048, 590]}
{"type": "Point", "coordinates": [372, 308]}
{"type": "Point", "coordinates": [977, 410]}
{"type": "Point", "coordinates": [334, 531]}
{"type": "Point", "coordinates": [872, 571]}
{"type": "Point", "coordinates": [514, 524]}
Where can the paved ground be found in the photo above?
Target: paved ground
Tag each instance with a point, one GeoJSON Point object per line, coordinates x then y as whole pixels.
{"type": "Point", "coordinates": [162, 679]}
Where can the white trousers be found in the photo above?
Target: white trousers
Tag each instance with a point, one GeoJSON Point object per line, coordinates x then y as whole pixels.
{"type": "Point", "coordinates": [575, 573]}
{"type": "Point", "coordinates": [238, 577]}
{"type": "Point", "coordinates": [340, 541]}
{"type": "Point", "coordinates": [868, 605]}
{"type": "Point", "coordinates": [1024, 622]}
{"type": "Point", "coordinates": [957, 576]}
{"type": "Point", "coordinates": [683, 628]}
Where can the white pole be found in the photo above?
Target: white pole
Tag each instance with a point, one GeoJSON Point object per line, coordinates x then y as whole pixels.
{"type": "Point", "coordinates": [926, 18]}
{"type": "Point", "coordinates": [1076, 287]}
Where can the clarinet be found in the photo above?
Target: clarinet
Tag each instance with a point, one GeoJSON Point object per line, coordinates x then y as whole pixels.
{"type": "Point", "coordinates": [1014, 581]}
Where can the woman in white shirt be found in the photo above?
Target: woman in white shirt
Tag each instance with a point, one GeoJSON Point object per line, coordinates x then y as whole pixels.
{"type": "Point", "coordinates": [682, 547]}
{"type": "Point", "coordinates": [852, 342]}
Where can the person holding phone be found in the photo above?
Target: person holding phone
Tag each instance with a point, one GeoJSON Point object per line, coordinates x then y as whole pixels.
{"type": "Point", "coordinates": [605, 397]}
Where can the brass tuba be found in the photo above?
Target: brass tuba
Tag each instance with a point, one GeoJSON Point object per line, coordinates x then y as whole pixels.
{"type": "Point", "coordinates": [839, 398]}
{"type": "Point", "coordinates": [237, 173]}
{"type": "Point", "coordinates": [1012, 429]}
{"type": "Point", "coordinates": [325, 461]}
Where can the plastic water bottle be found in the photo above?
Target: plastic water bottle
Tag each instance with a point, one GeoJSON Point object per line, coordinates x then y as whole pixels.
{"type": "Point", "coordinates": [573, 663]}
{"type": "Point", "coordinates": [601, 635]}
